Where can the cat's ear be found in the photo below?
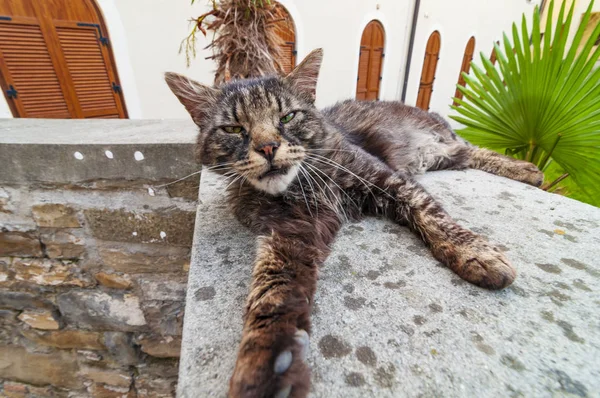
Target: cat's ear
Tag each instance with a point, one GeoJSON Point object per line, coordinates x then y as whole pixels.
{"type": "Point", "coordinates": [197, 98]}
{"type": "Point", "coordinates": [304, 77]}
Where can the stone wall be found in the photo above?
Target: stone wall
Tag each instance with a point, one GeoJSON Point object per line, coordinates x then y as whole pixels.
{"type": "Point", "coordinates": [93, 258]}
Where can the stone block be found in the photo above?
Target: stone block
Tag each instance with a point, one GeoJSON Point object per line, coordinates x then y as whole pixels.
{"type": "Point", "coordinates": [112, 377]}
{"type": "Point", "coordinates": [186, 189]}
{"type": "Point", "coordinates": [5, 203]}
{"type": "Point", "coordinates": [49, 272]}
{"type": "Point", "coordinates": [165, 317]}
{"type": "Point", "coordinates": [63, 245]}
{"type": "Point", "coordinates": [58, 368]}
{"type": "Point", "coordinates": [102, 311]}
{"type": "Point", "coordinates": [162, 226]}
{"type": "Point", "coordinates": [105, 391]}
{"type": "Point", "coordinates": [20, 244]}
{"type": "Point", "coordinates": [8, 315]}
{"type": "Point", "coordinates": [121, 348]}
{"type": "Point", "coordinates": [113, 281]}
{"type": "Point", "coordinates": [21, 301]}
{"type": "Point", "coordinates": [161, 347]}
{"type": "Point", "coordinates": [55, 215]}
{"type": "Point", "coordinates": [155, 287]}
{"type": "Point", "coordinates": [137, 259]}
{"type": "Point", "coordinates": [41, 319]}
{"type": "Point", "coordinates": [6, 273]}
{"type": "Point", "coordinates": [67, 339]}
{"type": "Point", "coordinates": [152, 387]}
{"type": "Point", "coordinates": [14, 390]}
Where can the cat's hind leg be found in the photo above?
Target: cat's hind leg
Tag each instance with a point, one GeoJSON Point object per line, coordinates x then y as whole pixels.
{"type": "Point", "coordinates": [495, 163]}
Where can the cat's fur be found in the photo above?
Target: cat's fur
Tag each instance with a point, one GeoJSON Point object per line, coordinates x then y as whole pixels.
{"type": "Point", "coordinates": [350, 160]}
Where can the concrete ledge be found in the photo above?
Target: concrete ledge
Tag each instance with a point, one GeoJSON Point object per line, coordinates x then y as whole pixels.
{"type": "Point", "coordinates": [79, 151]}
{"type": "Point", "coordinates": [390, 321]}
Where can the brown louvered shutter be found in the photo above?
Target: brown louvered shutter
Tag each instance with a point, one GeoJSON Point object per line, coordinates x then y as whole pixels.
{"type": "Point", "coordinates": [363, 73]}
{"type": "Point", "coordinates": [87, 64]}
{"type": "Point", "coordinates": [432, 54]}
{"type": "Point", "coordinates": [370, 62]}
{"type": "Point", "coordinates": [55, 60]}
{"type": "Point", "coordinates": [30, 79]}
{"type": "Point", "coordinates": [465, 67]}
{"type": "Point", "coordinates": [286, 32]}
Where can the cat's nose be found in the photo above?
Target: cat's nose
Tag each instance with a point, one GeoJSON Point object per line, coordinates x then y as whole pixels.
{"type": "Point", "coordinates": [267, 150]}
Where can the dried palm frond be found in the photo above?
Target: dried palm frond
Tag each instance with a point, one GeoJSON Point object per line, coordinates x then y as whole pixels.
{"type": "Point", "coordinates": [245, 42]}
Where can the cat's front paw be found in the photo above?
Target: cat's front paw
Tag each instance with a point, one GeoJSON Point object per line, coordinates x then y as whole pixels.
{"type": "Point", "coordinates": [484, 265]}
{"type": "Point", "coordinates": [269, 366]}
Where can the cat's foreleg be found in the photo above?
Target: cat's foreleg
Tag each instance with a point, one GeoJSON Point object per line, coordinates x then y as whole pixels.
{"type": "Point", "coordinates": [277, 320]}
{"type": "Point", "coordinates": [495, 163]}
{"type": "Point", "coordinates": [466, 253]}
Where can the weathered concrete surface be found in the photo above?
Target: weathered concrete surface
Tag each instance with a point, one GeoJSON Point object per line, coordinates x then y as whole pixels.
{"type": "Point", "coordinates": [390, 321]}
{"type": "Point", "coordinates": [77, 151]}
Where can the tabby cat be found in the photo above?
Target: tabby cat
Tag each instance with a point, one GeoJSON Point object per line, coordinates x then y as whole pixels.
{"type": "Point", "coordinates": [298, 173]}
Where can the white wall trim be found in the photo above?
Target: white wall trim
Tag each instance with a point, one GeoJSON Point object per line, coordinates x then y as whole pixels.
{"type": "Point", "coordinates": [5, 112]}
{"type": "Point", "coordinates": [118, 43]}
{"type": "Point", "coordinates": [370, 16]}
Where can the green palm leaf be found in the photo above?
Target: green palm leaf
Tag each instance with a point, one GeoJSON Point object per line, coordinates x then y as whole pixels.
{"type": "Point", "coordinates": [541, 102]}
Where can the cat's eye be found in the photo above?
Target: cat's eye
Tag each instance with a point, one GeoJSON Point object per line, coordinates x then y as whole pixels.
{"type": "Point", "coordinates": [233, 129]}
{"type": "Point", "coordinates": [288, 118]}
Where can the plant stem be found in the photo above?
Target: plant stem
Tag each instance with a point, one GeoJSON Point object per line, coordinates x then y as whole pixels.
{"type": "Point", "coordinates": [529, 154]}
{"type": "Point", "coordinates": [553, 183]}
{"type": "Point", "coordinates": [543, 163]}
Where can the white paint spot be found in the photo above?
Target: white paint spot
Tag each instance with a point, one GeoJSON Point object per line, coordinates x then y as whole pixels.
{"type": "Point", "coordinates": [138, 156]}
{"type": "Point", "coordinates": [109, 154]}
{"type": "Point", "coordinates": [78, 155]}
{"type": "Point", "coordinates": [134, 233]}
{"type": "Point", "coordinates": [163, 234]}
{"type": "Point", "coordinates": [151, 191]}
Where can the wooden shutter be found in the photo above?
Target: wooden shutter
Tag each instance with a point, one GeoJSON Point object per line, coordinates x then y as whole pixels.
{"type": "Point", "coordinates": [286, 32]}
{"type": "Point", "coordinates": [466, 66]}
{"type": "Point", "coordinates": [55, 60]}
{"type": "Point", "coordinates": [30, 80]}
{"type": "Point", "coordinates": [87, 62]}
{"type": "Point", "coordinates": [370, 62]}
{"type": "Point", "coordinates": [432, 54]}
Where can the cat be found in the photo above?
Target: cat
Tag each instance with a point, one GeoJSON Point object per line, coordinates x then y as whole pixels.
{"type": "Point", "coordinates": [298, 173]}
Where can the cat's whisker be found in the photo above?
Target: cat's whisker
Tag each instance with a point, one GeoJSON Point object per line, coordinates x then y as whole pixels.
{"type": "Point", "coordinates": [178, 180]}
{"type": "Point", "coordinates": [355, 151]}
{"type": "Point", "coordinates": [304, 195]}
{"type": "Point", "coordinates": [335, 164]}
{"type": "Point", "coordinates": [339, 206]}
{"type": "Point", "coordinates": [340, 188]}
{"type": "Point", "coordinates": [233, 182]}
{"type": "Point", "coordinates": [308, 180]}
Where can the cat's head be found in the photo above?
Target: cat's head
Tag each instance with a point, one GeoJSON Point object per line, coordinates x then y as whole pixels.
{"type": "Point", "coordinates": [258, 129]}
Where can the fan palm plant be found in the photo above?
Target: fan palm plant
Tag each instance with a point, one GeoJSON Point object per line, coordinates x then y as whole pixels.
{"type": "Point", "coordinates": [541, 102]}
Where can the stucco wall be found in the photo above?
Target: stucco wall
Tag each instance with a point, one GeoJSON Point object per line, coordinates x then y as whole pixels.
{"type": "Point", "coordinates": [486, 20]}
{"type": "Point", "coordinates": [145, 37]}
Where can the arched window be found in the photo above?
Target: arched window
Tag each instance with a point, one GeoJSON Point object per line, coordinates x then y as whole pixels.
{"type": "Point", "coordinates": [432, 54]}
{"type": "Point", "coordinates": [370, 62]}
{"type": "Point", "coordinates": [286, 31]}
{"type": "Point", "coordinates": [57, 61]}
{"type": "Point", "coordinates": [466, 66]}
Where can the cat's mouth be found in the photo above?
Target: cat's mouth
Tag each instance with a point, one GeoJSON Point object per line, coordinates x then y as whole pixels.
{"type": "Point", "coordinates": [274, 171]}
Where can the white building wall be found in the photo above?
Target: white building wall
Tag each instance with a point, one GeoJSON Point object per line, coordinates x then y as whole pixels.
{"type": "Point", "coordinates": [145, 37]}
{"type": "Point", "coordinates": [486, 20]}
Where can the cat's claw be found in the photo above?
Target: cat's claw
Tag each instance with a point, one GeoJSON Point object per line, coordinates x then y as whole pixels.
{"type": "Point", "coordinates": [484, 265]}
{"type": "Point", "coordinates": [289, 374]}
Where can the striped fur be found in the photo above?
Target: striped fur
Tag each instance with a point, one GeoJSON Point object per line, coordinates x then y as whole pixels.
{"type": "Point", "coordinates": [347, 161]}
